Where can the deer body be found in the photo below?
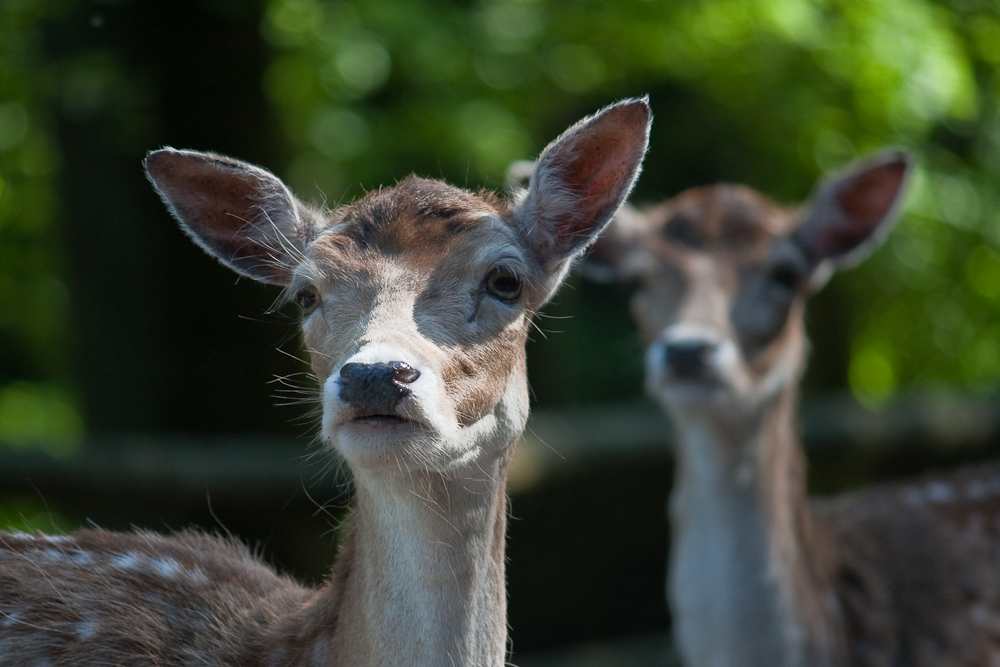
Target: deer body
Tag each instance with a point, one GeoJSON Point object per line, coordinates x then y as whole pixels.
{"type": "Point", "coordinates": [899, 574]}
{"type": "Point", "coordinates": [416, 301]}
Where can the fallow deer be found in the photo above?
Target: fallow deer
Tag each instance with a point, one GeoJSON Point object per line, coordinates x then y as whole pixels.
{"type": "Point", "coordinates": [416, 302]}
{"type": "Point", "coordinates": [897, 574]}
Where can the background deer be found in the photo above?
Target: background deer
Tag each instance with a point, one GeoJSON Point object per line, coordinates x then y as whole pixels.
{"type": "Point", "coordinates": [416, 302]}
{"type": "Point", "coordinates": [899, 574]}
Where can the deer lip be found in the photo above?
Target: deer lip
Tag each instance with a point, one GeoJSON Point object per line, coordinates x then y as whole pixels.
{"type": "Point", "coordinates": [380, 420]}
{"type": "Point", "coordinates": [367, 419]}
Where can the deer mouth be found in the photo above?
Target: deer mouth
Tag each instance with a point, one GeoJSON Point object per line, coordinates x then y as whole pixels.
{"type": "Point", "coordinates": [381, 420]}
{"type": "Point", "coordinates": [704, 385]}
{"type": "Point", "coordinates": [686, 384]}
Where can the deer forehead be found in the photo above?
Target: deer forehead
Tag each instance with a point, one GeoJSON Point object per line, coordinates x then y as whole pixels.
{"type": "Point", "coordinates": [416, 214]}
{"type": "Point", "coordinates": [732, 221]}
{"type": "Point", "coordinates": [706, 243]}
{"type": "Point", "coordinates": [421, 223]}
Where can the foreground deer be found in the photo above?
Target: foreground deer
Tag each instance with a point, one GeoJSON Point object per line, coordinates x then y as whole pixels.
{"type": "Point", "coordinates": [415, 308]}
{"type": "Point", "coordinates": [901, 574]}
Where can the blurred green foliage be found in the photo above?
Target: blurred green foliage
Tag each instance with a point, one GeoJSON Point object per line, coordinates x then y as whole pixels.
{"type": "Point", "coordinates": [770, 92]}
{"type": "Point", "coordinates": [29, 515]}
{"type": "Point", "coordinates": [373, 88]}
{"type": "Point", "coordinates": [37, 405]}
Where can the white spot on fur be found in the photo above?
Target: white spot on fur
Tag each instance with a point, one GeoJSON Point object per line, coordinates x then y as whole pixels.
{"type": "Point", "coordinates": [82, 558]}
{"type": "Point", "coordinates": [87, 629]}
{"type": "Point", "coordinates": [166, 567]}
{"type": "Point", "coordinates": [127, 561]}
{"type": "Point", "coordinates": [940, 492]}
{"type": "Point", "coordinates": [9, 619]}
{"type": "Point", "coordinates": [49, 556]}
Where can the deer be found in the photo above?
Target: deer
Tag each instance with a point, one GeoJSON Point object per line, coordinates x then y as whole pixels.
{"type": "Point", "coordinates": [901, 573]}
{"type": "Point", "coordinates": [415, 305]}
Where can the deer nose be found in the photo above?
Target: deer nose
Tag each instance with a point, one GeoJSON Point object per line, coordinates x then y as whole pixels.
{"type": "Point", "coordinates": [688, 358]}
{"type": "Point", "coordinates": [378, 387]}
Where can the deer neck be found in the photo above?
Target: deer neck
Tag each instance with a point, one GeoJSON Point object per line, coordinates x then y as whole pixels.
{"type": "Point", "coordinates": [419, 580]}
{"type": "Point", "coordinates": [747, 581]}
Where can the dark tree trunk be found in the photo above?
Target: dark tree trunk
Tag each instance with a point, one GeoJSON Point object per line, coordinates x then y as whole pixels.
{"type": "Point", "coordinates": [166, 340]}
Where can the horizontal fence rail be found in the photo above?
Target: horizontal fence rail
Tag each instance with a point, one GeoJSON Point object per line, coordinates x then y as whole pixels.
{"type": "Point", "coordinates": [554, 439]}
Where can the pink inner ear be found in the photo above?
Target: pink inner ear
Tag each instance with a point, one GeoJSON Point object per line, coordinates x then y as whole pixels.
{"type": "Point", "coordinates": [600, 168]}
{"type": "Point", "coordinates": [593, 181]}
{"type": "Point", "coordinates": [224, 206]}
{"type": "Point", "coordinates": [870, 197]}
{"type": "Point", "coordinates": [214, 202]}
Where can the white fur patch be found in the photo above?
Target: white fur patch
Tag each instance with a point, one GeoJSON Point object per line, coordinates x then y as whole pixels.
{"type": "Point", "coordinates": [127, 561]}
{"type": "Point", "coordinates": [166, 567]}
{"type": "Point", "coordinates": [86, 629]}
{"type": "Point", "coordinates": [49, 556]}
{"type": "Point", "coordinates": [82, 558]}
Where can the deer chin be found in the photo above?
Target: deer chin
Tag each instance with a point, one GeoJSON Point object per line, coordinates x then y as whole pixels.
{"type": "Point", "coordinates": [686, 396]}
{"type": "Point", "coordinates": [398, 448]}
{"type": "Point", "coordinates": [409, 441]}
{"type": "Point", "coordinates": [374, 440]}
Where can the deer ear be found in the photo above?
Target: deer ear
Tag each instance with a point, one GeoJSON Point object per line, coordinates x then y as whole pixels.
{"type": "Point", "coordinates": [581, 179]}
{"type": "Point", "coordinates": [241, 214]}
{"type": "Point", "coordinates": [854, 210]}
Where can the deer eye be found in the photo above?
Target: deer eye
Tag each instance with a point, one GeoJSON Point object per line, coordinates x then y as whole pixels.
{"type": "Point", "coordinates": [503, 284]}
{"type": "Point", "coordinates": [307, 299]}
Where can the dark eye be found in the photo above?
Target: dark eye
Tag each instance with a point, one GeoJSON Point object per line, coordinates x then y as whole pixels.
{"type": "Point", "coordinates": [503, 284]}
{"type": "Point", "coordinates": [785, 275]}
{"type": "Point", "coordinates": [685, 231]}
{"type": "Point", "coordinates": [306, 298]}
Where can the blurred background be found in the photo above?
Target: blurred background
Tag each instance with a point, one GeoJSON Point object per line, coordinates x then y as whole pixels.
{"type": "Point", "coordinates": [142, 384]}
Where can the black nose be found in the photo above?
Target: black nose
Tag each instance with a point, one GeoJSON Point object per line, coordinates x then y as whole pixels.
{"type": "Point", "coordinates": [688, 358]}
{"type": "Point", "coordinates": [376, 388]}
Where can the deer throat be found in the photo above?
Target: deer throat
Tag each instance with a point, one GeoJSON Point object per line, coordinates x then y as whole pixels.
{"type": "Point", "coordinates": [426, 573]}
{"type": "Point", "coordinates": [743, 584]}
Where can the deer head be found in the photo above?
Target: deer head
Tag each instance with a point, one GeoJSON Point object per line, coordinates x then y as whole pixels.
{"type": "Point", "coordinates": [723, 275]}
{"type": "Point", "coordinates": [416, 299]}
